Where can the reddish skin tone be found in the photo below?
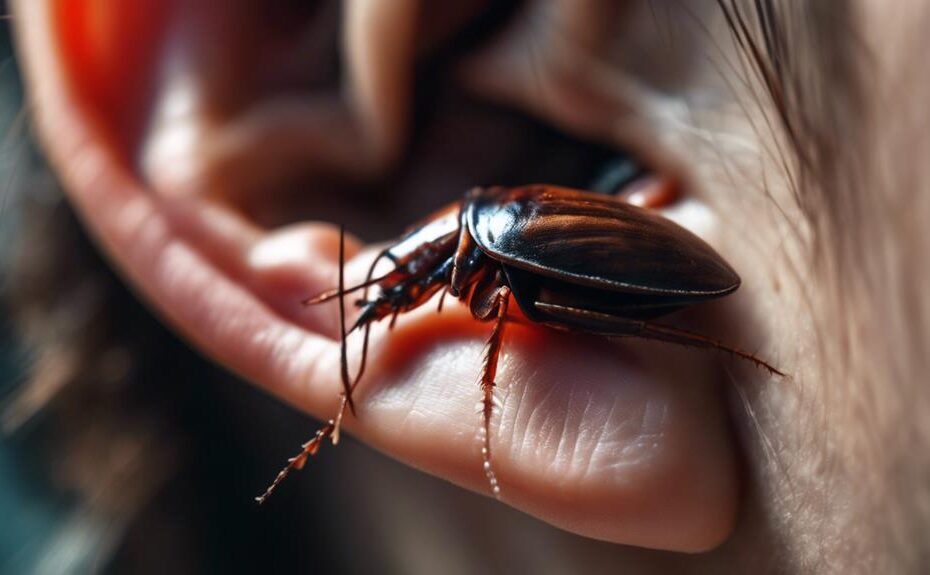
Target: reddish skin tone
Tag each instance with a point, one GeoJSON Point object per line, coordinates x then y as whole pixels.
{"type": "Point", "coordinates": [211, 274]}
{"type": "Point", "coordinates": [583, 262]}
{"type": "Point", "coordinates": [835, 474]}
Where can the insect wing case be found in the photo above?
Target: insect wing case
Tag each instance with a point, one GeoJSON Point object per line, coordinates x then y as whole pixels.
{"type": "Point", "coordinates": [599, 245]}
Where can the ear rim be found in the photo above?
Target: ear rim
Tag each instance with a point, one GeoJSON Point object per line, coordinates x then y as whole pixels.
{"type": "Point", "coordinates": [140, 233]}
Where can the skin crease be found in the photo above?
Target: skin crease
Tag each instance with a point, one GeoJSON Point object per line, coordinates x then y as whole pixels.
{"type": "Point", "coordinates": [630, 443]}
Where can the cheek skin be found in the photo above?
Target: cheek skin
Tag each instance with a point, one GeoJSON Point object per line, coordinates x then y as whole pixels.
{"type": "Point", "coordinates": [848, 482]}
{"type": "Point", "coordinates": [747, 211]}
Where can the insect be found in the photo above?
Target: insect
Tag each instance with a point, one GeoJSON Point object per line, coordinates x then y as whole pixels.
{"type": "Point", "coordinates": [571, 260]}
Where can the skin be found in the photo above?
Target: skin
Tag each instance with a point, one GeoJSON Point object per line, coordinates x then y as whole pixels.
{"type": "Point", "coordinates": [180, 159]}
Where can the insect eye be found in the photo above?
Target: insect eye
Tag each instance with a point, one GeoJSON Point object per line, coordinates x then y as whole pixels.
{"type": "Point", "coordinates": [632, 182]}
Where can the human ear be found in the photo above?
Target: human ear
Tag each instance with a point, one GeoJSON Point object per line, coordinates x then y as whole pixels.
{"type": "Point", "coordinates": [625, 446]}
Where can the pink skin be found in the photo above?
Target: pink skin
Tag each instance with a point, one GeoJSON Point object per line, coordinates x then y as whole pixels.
{"type": "Point", "coordinates": [627, 442]}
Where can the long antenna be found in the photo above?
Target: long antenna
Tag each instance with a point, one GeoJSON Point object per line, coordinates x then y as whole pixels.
{"type": "Point", "coordinates": [339, 292]}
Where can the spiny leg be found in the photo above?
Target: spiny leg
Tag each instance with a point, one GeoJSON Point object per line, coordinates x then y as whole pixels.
{"type": "Point", "coordinates": [349, 388]}
{"type": "Point", "coordinates": [332, 427]}
{"type": "Point", "coordinates": [610, 325]}
{"type": "Point", "coordinates": [309, 449]}
{"type": "Point", "coordinates": [488, 373]}
{"type": "Point", "coordinates": [683, 337]}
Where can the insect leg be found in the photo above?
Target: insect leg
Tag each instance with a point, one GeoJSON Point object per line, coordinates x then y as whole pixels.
{"type": "Point", "coordinates": [332, 426]}
{"type": "Point", "coordinates": [488, 373]}
{"type": "Point", "coordinates": [343, 360]}
{"type": "Point", "coordinates": [308, 450]}
{"type": "Point", "coordinates": [609, 325]}
{"type": "Point", "coordinates": [298, 461]}
{"type": "Point", "coordinates": [364, 360]}
{"type": "Point", "coordinates": [442, 299]}
{"type": "Point", "coordinates": [683, 337]}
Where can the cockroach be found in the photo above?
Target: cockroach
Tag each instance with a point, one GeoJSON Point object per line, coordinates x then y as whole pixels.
{"type": "Point", "coordinates": [571, 260]}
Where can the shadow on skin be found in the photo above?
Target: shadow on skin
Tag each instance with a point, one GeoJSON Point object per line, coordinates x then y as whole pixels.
{"type": "Point", "coordinates": [619, 441]}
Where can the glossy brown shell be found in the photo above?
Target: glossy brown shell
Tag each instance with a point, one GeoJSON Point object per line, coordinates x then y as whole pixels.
{"type": "Point", "coordinates": [586, 239]}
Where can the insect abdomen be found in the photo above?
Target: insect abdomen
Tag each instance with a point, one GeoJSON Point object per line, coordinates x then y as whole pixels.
{"type": "Point", "coordinates": [590, 240]}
